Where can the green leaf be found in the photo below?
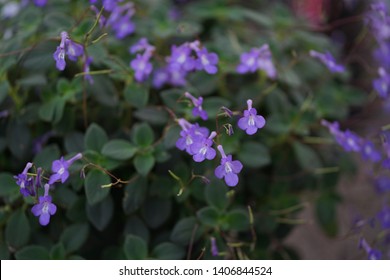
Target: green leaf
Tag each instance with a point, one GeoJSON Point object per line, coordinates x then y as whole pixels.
{"type": "Point", "coordinates": [156, 211]}
{"type": "Point", "coordinates": [74, 236]}
{"type": "Point", "coordinates": [168, 251]}
{"type": "Point", "coordinates": [7, 185]}
{"type": "Point", "coordinates": [18, 139]}
{"type": "Point", "coordinates": [95, 138]}
{"type": "Point", "coordinates": [143, 163]}
{"type": "Point", "coordinates": [185, 230]}
{"type": "Point", "coordinates": [143, 135]}
{"type": "Point", "coordinates": [209, 216]}
{"type": "Point", "coordinates": [137, 95]}
{"type": "Point", "coordinates": [215, 194]}
{"type": "Point", "coordinates": [32, 252]}
{"type": "Point", "coordinates": [306, 156]}
{"type": "Point", "coordinates": [253, 154]}
{"type": "Point", "coordinates": [152, 115]}
{"type": "Point", "coordinates": [237, 220]}
{"type": "Point", "coordinates": [93, 186]}
{"type": "Point", "coordinates": [17, 231]}
{"type": "Point", "coordinates": [135, 248]}
{"type": "Point", "coordinates": [46, 156]}
{"type": "Point", "coordinates": [53, 110]}
{"type": "Point", "coordinates": [135, 226]}
{"type": "Point", "coordinates": [58, 252]}
{"type": "Point", "coordinates": [101, 213]}
{"type": "Point", "coordinates": [135, 194]}
{"type": "Point", "coordinates": [74, 142]}
{"type": "Point", "coordinates": [4, 89]}
{"type": "Point", "coordinates": [326, 212]}
{"type": "Point", "coordinates": [119, 149]}
{"type": "Point", "coordinates": [4, 252]}
{"type": "Point", "coordinates": [103, 89]}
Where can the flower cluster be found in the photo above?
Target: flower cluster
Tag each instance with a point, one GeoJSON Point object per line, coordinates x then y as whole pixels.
{"type": "Point", "coordinates": [328, 60]}
{"type": "Point", "coordinates": [141, 64]}
{"type": "Point", "coordinates": [351, 142]}
{"type": "Point", "coordinates": [378, 19]}
{"type": "Point", "coordinates": [120, 18]}
{"type": "Point", "coordinates": [257, 58]}
{"type": "Point", "coordinates": [184, 59]}
{"type": "Point", "coordinates": [67, 47]}
{"type": "Point", "coordinates": [197, 141]}
{"type": "Point", "coordinates": [31, 183]}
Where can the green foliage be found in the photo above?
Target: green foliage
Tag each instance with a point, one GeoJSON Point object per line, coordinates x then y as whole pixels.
{"type": "Point", "coordinates": [134, 194]}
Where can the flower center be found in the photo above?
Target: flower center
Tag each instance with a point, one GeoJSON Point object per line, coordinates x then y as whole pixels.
{"type": "Point", "coordinates": [251, 120]}
{"type": "Point", "coordinates": [45, 208]}
{"type": "Point", "coordinates": [228, 167]}
{"type": "Point", "coordinates": [61, 171]}
{"type": "Point", "coordinates": [204, 60]}
{"type": "Point", "coordinates": [188, 140]}
{"type": "Point", "coordinates": [203, 150]}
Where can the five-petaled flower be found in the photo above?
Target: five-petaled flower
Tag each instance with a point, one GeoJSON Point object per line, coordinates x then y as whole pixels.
{"type": "Point", "coordinates": [45, 208]}
{"type": "Point", "coordinates": [251, 122]}
{"type": "Point", "coordinates": [60, 168]}
{"type": "Point", "coordinates": [228, 169]}
{"type": "Point", "coordinates": [202, 150]}
{"type": "Point", "coordinates": [67, 47]}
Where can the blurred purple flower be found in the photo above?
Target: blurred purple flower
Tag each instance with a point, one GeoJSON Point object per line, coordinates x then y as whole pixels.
{"type": "Point", "coordinates": [382, 184]}
{"type": "Point", "coordinates": [228, 169]}
{"type": "Point", "coordinates": [257, 58]}
{"type": "Point", "coordinates": [142, 45]}
{"type": "Point", "coordinates": [214, 248]}
{"type": "Point", "coordinates": [181, 58]}
{"type": "Point", "coordinates": [142, 67]}
{"type": "Point", "coordinates": [382, 84]}
{"type": "Point", "coordinates": [348, 140]}
{"type": "Point", "coordinates": [328, 60]}
{"type": "Point", "coordinates": [102, 19]}
{"type": "Point", "coordinates": [67, 47]}
{"type": "Point", "coordinates": [207, 61]}
{"type": "Point", "coordinates": [190, 134]}
{"type": "Point", "coordinates": [369, 151]}
{"type": "Point", "coordinates": [251, 122]}
{"type": "Point", "coordinates": [197, 110]}
{"type": "Point", "coordinates": [160, 77]}
{"type": "Point", "coordinates": [25, 182]}
{"type": "Point", "coordinates": [40, 3]}
{"type": "Point", "coordinates": [45, 208]}
{"type": "Point", "coordinates": [372, 253]}
{"type": "Point", "coordinates": [60, 168]}
{"type": "Point", "coordinates": [40, 141]}
{"type": "Point", "coordinates": [202, 149]}
{"type": "Point", "coordinates": [86, 69]}
{"type": "Point", "coordinates": [384, 217]}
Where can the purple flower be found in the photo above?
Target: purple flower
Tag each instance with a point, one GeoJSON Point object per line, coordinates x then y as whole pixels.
{"type": "Point", "coordinates": [257, 58]}
{"type": "Point", "coordinates": [160, 77]}
{"type": "Point", "coordinates": [382, 54]}
{"type": "Point", "coordinates": [228, 169]}
{"type": "Point", "coordinates": [214, 248]}
{"type": "Point", "coordinates": [197, 110]}
{"type": "Point", "coordinates": [123, 27]}
{"type": "Point", "coordinates": [120, 18]}
{"type": "Point", "coordinates": [348, 140]}
{"type": "Point", "coordinates": [190, 134]}
{"type": "Point", "coordinates": [25, 182]}
{"type": "Point", "coordinates": [45, 208]}
{"type": "Point", "coordinates": [142, 45]}
{"type": "Point", "coordinates": [207, 61]}
{"type": "Point", "coordinates": [142, 67]}
{"type": "Point", "coordinates": [382, 84]}
{"type": "Point", "coordinates": [40, 3]}
{"type": "Point", "coordinates": [382, 184]}
{"type": "Point", "coordinates": [202, 149]}
{"type": "Point", "coordinates": [369, 152]}
{"type": "Point", "coordinates": [67, 47]}
{"type": "Point", "coordinates": [86, 69]}
{"type": "Point", "coordinates": [251, 122]}
{"type": "Point", "coordinates": [379, 21]}
{"type": "Point", "coordinates": [181, 58]}
{"type": "Point", "coordinates": [328, 60]}
{"type": "Point", "coordinates": [372, 253]}
{"type": "Point", "coordinates": [60, 168]}
{"type": "Point", "coordinates": [384, 217]}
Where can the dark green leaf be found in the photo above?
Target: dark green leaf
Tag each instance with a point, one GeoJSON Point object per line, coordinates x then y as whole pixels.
{"type": "Point", "coordinates": [215, 194]}
{"type": "Point", "coordinates": [32, 252]}
{"type": "Point", "coordinates": [209, 216]}
{"type": "Point", "coordinates": [143, 163]}
{"type": "Point", "coordinates": [135, 194]}
{"type": "Point", "coordinates": [143, 135]}
{"type": "Point", "coordinates": [119, 149]}
{"type": "Point", "coordinates": [137, 95]}
{"type": "Point", "coordinates": [306, 156]}
{"type": "Point", "coordinates": [156, 211]}
{"type": "Point", "coordinates": [4, 252]}
{"type": "Point", "coordinates": [101, 213]}
{"type": "Point", "coordinates": [46, 156]}
{"type": "Point", "coordinates": [18, 139]}
{"type": "Point", "coordinates": [17, 231]}
{"type": "Point", "coordinates": [237, 220]}
{"type": "Point", "coordinates": [74, 237]}
{"type": "Point", "coordinates": [53, 110]}
{"type": "Point", "coordinates": [253, 154]}
{"type": "Point", "coordinates": [8, 184]}
{"type": "Point", "coordinates": [135, 226]}
{"type": "Point", "coordinates": [135, 248]}
{"type": "Point", "coordinates": [95, 138]}
{"type": "Point", "coordinates": [185, 230]}
{"type": "Point", "coordinates": [168, 251]}
{"type": "Point", "coordinates": [58, 252]}
{"type": "Point", "coordinates": [326, 211]}
{"type": "Point", "coordinates": [152, 115]}
{"type": "Point", "coordinates": [93, 186]}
